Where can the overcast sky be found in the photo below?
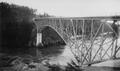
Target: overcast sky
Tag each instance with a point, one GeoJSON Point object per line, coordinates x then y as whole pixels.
{"type": "Point", "coordinates": [73, 8]}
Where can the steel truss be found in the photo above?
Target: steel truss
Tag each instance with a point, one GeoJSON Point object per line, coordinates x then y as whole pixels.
{"type": "Point", "coordinates": [90, 40]}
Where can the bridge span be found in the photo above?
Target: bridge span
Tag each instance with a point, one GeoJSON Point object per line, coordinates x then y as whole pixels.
{"type": "Point", "coordinates": [91, 39]}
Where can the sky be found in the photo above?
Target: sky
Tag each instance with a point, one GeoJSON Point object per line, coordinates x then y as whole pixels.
{"type": "Point", "coordinates": [72, 8]}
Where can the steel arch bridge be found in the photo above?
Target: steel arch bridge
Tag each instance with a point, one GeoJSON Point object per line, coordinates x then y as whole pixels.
{"type": "Point", "coordinates": [91, 39]}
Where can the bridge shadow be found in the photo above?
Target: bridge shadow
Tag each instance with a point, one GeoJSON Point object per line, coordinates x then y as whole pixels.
{"type": "Point", "coordinates": [50, 37]}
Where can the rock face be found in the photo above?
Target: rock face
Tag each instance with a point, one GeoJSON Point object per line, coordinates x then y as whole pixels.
{"type": "Point", "coordinates": [17, 63]}
{"type": "Point", "coordinates": [51, 37]}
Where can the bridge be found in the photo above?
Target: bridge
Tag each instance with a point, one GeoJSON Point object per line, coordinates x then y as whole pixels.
{"type": "Point", "coordinates": [91, 39]}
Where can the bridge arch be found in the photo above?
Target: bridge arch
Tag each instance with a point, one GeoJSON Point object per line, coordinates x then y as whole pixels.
{"type": "Point", "coordinates": [51, 35]}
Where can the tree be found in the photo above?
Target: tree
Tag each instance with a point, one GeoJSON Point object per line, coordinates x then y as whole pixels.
{"type": "Point", "coordinates": [17, 26]}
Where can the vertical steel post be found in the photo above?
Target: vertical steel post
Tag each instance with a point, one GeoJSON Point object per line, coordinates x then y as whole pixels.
{"type": "Point", "coordinates": [116, 38]}
{"type": "Point", "coordinates": [82, 52]}
{"type": "Point", "coordinates": [61, 26]}
{"type": "Point", "coordinates": [76, 26]}
{"type": "Point", "coordinates": [91, 37]}
{"type": "Point", "coordinates": [73, 29]}
{"type": "Point", "coordinates": [102, 41]}
{"type": "Point", "coordinates": [115, 49]}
